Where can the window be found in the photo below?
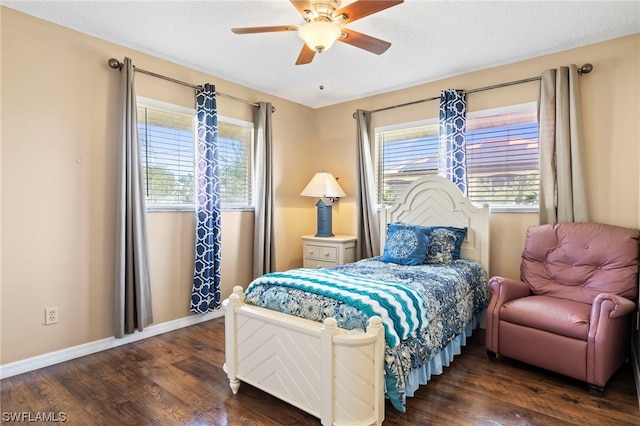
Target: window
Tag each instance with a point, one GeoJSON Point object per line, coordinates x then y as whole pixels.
{"type": "Point", "coordinates": [403, 155]}
{"type": "Point", "coordinates": [167, 145]}
{"type": "Point", "coordinates": [235, 139]}
{"type": "Point", "coordinates": [167, 142]}
{"type": "Point", "coordinates": [502, 157]}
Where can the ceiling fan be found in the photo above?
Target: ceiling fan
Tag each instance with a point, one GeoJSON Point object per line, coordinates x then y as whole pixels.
{"type": "Point", "coordinates": [324, 26]}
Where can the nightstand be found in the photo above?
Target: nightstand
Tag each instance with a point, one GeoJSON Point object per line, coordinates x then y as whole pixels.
{"type": "Point", "coordinates": [323, 252]}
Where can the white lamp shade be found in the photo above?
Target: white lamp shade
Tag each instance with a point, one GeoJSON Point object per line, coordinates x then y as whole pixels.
{"type": "Point", "coordinates": [323, 185]}
{"type": "Point", "coordinates": [319, 36]}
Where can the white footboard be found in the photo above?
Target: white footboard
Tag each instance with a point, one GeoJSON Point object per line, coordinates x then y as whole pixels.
{"type": "Point", "coordinates": [331, 373]}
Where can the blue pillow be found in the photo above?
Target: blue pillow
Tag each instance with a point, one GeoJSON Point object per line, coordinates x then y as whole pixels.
{"type": "Point", "coordinates": [442, 245]}
{"type": "Point", "coordinates": [405, 245]}
{"type": "Point", "coordinates": [460, 234]}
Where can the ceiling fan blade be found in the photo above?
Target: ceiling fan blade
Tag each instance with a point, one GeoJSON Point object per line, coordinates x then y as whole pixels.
{"type": "Point", "coordinates": [362, 8]}
{"type": "Point", "coordinates": [252, 30]}
{"type": "Point", "coordinates": [304, 7]}
{"type": "Point", "coordinates": [306, 55]}
{"type": "Point", "coordinates": [363, 41]}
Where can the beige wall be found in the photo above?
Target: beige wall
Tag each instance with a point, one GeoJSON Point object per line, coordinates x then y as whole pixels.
{"type": "Point", "coordinates": [611, 116]}
{"type": "Point", "coordinates": [59, 132]}
{"type": "Point", "coordinates": [59, 137]}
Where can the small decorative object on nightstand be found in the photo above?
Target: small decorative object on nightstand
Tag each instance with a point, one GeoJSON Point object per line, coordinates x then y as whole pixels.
{"type": "Point", "coordinates": [323, 252]}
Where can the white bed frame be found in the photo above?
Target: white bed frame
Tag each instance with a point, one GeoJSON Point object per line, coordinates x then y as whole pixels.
{"type": "Point", "coordinates": [331, 373]}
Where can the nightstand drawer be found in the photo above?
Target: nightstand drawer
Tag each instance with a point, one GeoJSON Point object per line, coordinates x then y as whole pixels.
{"type": "Point", "coordinates": [312, 263]}
{"type": "Point", "coordinates": [324, 253]}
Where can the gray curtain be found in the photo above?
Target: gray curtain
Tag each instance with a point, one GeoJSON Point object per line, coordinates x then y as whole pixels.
{"type": "Point", "coordinates": [264, 256]}
{"type": "Point", "coordinates": [132, 287]}
{"type": "Point", "coordinates": [563, 195]}
{"type": "Point", "coordinates": [368, 232]}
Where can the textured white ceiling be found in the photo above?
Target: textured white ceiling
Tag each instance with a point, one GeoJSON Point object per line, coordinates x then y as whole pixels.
{"type": "Point", "coordinates": [430, 40]}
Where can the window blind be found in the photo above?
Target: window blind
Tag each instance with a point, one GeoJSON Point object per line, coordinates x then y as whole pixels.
{"type": "Point", "coordinates": [236, 163]}
{"type": "Point", "coordinates": [503, 160]}
{"type": "Point", "coordinates": [502, 157]}
{"type": "Point", "coordinates": [404, 155]}
{"type": "Point", "coordinates": [167, 149]}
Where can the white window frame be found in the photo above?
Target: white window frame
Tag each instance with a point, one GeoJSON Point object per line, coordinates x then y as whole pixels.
{"type": "Point", "coordinates": [390, 128]}
{"type": "Point", "coordinates": [251, 186]}
{"type": "Point", "coordinates": [470, 115]}
{"type": "Point", "coordinates": [524, 107]}
{"type": "Point", "coordinates": [157, 207]}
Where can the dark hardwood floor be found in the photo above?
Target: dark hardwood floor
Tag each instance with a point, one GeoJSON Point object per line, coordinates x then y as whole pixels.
{"type": "Point", "coordinates": [177, 379]}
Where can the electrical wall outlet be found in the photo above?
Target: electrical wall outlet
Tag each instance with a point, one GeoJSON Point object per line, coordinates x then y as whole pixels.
{"type": "Point", "coordinates": [50, 316]}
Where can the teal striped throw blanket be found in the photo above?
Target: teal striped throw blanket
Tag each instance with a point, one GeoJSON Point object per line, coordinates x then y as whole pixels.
{"type": "Point", "coordinates": [402, 309]}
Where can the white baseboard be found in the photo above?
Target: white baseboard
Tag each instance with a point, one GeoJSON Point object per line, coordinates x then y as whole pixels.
{"type": "Point", "coordinates": [51, 358]}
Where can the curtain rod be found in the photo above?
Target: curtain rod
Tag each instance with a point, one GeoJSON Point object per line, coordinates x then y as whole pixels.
{"type": "Point", "coordinates": [116, 65]}
{"type": "Point", "coordinates": [585, 69]}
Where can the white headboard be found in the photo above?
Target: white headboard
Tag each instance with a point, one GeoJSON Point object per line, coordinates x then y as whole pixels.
{"type": "Point", "coordinates": [436, 201]}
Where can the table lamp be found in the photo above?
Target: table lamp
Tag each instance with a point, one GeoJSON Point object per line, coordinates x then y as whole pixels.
{"type": "Point", "coordinates": [325, 186]}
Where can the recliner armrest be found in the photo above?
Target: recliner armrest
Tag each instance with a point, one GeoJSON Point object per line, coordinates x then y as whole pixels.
{"type": "Point", "coordinates": [619, 306]}
{"type": "Point", "coordinates": [609, 329]}
{"type": "Point", "coordinates": [506, 289]}
{"type": "Point", "coordinates": [503, 290]}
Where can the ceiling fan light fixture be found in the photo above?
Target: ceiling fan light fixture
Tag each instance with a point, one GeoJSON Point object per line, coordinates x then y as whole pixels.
{"type": "Point", "coordinates": [319, 35]}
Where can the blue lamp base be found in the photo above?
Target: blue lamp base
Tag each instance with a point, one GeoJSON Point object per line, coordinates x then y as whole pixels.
{"type": "Point", "coordinates": [324, 219]}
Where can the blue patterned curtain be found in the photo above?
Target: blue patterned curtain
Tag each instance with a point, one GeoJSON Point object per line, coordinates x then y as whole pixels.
{"type": "Point", "coordinates": [206, 278]}
{"type": "Point", "coordinates": [453, 125]}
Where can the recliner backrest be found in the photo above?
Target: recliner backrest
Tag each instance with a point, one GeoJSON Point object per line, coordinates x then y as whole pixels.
{"type": "Point", "coordinates": [578, 261]}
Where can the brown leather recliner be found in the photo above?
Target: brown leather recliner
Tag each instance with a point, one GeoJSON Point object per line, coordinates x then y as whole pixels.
{"type": "Point", "coordinates": [571, 313]}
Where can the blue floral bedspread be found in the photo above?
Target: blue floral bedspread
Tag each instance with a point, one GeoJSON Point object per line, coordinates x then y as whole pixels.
{"type": "Point", "coordinates": [453, 293]}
